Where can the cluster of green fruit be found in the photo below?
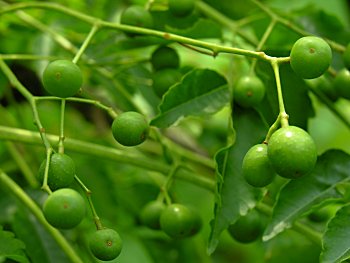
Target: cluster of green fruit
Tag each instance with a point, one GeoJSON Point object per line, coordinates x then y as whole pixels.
{"type": "Point", "coordinates": [65, 208]}
{"type": "Point", "coordinates": [176, 220]}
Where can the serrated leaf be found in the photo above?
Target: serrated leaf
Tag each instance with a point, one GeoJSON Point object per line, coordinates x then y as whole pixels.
{"type": "Point", "coordinates": [201, 91]}
{"type": "Point", "coordinates": [298, 196]}
{"type": "Point", "coordinates": [234, 196]}
{"type": "Point", "coordinates": [336, 242]}
{"type": "Point", "coordinates": [11, 247]}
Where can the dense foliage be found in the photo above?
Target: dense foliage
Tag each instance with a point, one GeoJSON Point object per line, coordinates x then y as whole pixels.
{"type": "Point", "coordinates": [175, 131]}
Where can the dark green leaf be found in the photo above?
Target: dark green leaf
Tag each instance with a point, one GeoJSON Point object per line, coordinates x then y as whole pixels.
{"type": "Point", "coordinates": [234, 196]}
{"type": "Point", "coordinates": [11, 247]}
{"type": "Point", "coordinates": [298, 196]}
{"type": "Point", "coordinates": [201, 91]}
{"type": "Point", "coordinates": [336, 242]}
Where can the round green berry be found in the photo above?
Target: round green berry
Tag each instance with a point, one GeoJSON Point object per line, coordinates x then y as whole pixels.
{"type": "Point", "coordinates": [256, 167]}
{"type": "Point", "coordinates": [324, 85]}
{"type": "Point", "coordinates": [61, 171]}
{"type": "Point", "coordinates": [178, 221]}
{"type": "Point", "coordinates": [62, 78]}
{"type": "Point", "coordinates": [130, 128]}
{"type": "Point", "coordinates": [64, 208]}
{"type": "Point", "coordinates": [150, 214]}
{"type": "Point", "coordinates": [247, 228]}
{"type": "Point", "coordinates": [292, 152]}
{"type": "Point", "coordinates": [181, 7]}
{"type": "Point", "coordinates": [136, 15]}
{"type": "Point", "coordinates": [165, 57]}
{"type": "Point", "coordinates": [310, 57]}
{"type": "Point", "coordinates": [342, 83]}
{"type": "Point", "coordinates": [249, 91]}
{"type": "Point", "coordinates": [105, 244]}
{"type": "Point", "coordinates": [346, 56]}
{"type": "Point", "coordinates": [164, 79]}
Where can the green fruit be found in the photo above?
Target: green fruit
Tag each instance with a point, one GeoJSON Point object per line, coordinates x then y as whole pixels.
{"type": "Point", "coordinates": [165, 57]}
{"type": "Point", "coordinates": [62, 78]}
{"type": "Point", "coordinates": [346, 56]}
{"type": "Point", "coordinates": [249, 91]}
{"type": "Point", "coordinates": [136, 16]}
{"type": "Point", "coordinates": [130, 128]}
{"type": "Point", "coordinates": [342, 83]}
{"type": "Point", "coordinates": [150, 214]}
{"type": "Point", "coordinates": [181, 7]}
{"type": "Point", "coordinates": [61, 171]}
{"type": "Point", "coordinates": [105, 244]}
{"type": "Point", "coordinates": [292, 152]}
{"type": "Point", "coordinates": [247, 228]}
{"type": "Point", "coordinates": [256, 167]}
{"type": "Point", "coordinates": [310, 57]}
{"type": "Point", "coordinates": [164, 79]}
{"type": "Point", "coordinates": [64, 208]}
{"type": "Point", "coordinates": [178, 221]}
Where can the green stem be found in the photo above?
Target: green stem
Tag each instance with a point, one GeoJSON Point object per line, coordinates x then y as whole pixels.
{"type": "Point", "coordinates": [23, 166]}
{"type": "Point", "coordinates": [282, 112]}
{"type": "Point", "coordinates": [61, 137]}
{"type": "Point", "coordinates": [30, 137]}
{"type": "Point", "coordinates": [86, 42]}
{"type": "Point", "coordinates": [45, 186]}
{"type": "Point", "coordinates": [272, 129]}
{"type": "Point", "coordinates": [25, 57]}
{"type": "Point", "coordinates": [17, 191]}
{"type": "Point", "coordinates": [28, 96]}
{"type": "Point", "coordinates": [92, 207]}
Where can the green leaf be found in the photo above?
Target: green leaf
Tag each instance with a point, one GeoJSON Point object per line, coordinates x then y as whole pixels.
{"type": "Point", "coordinates": [11, 247]}
{"type": "Point", "coordinates": [202, 91]}
{"type": "Point", "coordinates": [336, 242]}
{"type": "Point", "coordinates": [234, 196]}
{"type": "Point", "coordinates": [298, 196]}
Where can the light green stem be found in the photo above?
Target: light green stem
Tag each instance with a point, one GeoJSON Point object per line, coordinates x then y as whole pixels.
{"type": "Point", "coordinates": [17, 191]}
{"type": "Point", "coordinates": [61, 137]}
{"type": "Point", "coordinates": [25, 57]}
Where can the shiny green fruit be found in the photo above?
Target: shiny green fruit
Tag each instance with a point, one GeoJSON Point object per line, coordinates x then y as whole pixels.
{"type": "Point", "coordinates": [61, 171]}
{"type": "Point", "coordinates": [342, 83]}
{"type": "Point", "coordinates": [292, 152]}
{"type": "Point", "coordinates": [256, 167]}
{"type": "Point", "coordinates": [105, 244]}
{"type": "Point", "coordinates": [164, 79]}
{"type": "Point", "coordinates": [130, 128]}
{"type": "Point", "coordinates": [181, 7]}
{"type": "Point", "coordinates": [249, 91]}
{"type": "Point", "coordinates": [165, 57]}
{"type": "Point", "coordinates": [64, 208]}
{"type": "Point", "coordinates": [62, 78]}
{"type": "Point", "coordinates": [150, 214]}
{"type": "Point", "coordinates": [136, 15]}
{"type": "Point", "coordinates": [310, 57]}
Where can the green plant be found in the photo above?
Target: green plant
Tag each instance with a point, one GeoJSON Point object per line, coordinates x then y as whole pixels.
{"type": "Point", "coordinates": [61, 171]}
{"type": "Point", "coordinates": [165, 57]}
{"type": "Point", "coordinates": [179, 221]}
{"type": "Point", "coordinates": [105, 244]}
{"type": "Point", "coordinates": [346, 56]}
{"type": "Point", "coordinates": [62, 78]}
{"type": "Point", "coordinates": [342, 83]}
{"type": "Point", "coordinates": [247, 228]}
{"type": "Point", "coordinates": [64, 208]}
{"type": "Point", "coordinates": [181, 7]}
{"type": "Point", "coordinates": [150, 214]}
{"type": "Point", "coordinates": [310, 57]}
{"type": "Point", "coordinates": [130, 128]}
{"type": "Point", "coordinates": [256, 167]}
{"type": "Point", "coordinates": [198, 133]}
{"type": "Point", "coordinates": [249, 91]}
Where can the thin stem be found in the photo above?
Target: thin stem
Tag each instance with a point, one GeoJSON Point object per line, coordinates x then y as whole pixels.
{"type": "Point", "coordinates": [88, 193]}
{"type": "Point", "coordinates": [282, 112]}
{"type": "Point", "coordinates": [86, 42]}
{"type": "Point", "coordinates": [30, 137]}
{"type": "Point", "coordinates": [17, 191]}
{"type": "Point", "coordinates": [165, 188]}
{"type": "Point", "coordinates": [25, 57]}
{"type": "Point", "coordinates": [29, 97]}
{"type": "Point", "coordinates": [45, 186]}
{"type": "Point", "coordinates": [263, 40]}
{"type": "Point", "coordinates": [61, 138]}
{"type": "Point", "coordinates": [272, 129]}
